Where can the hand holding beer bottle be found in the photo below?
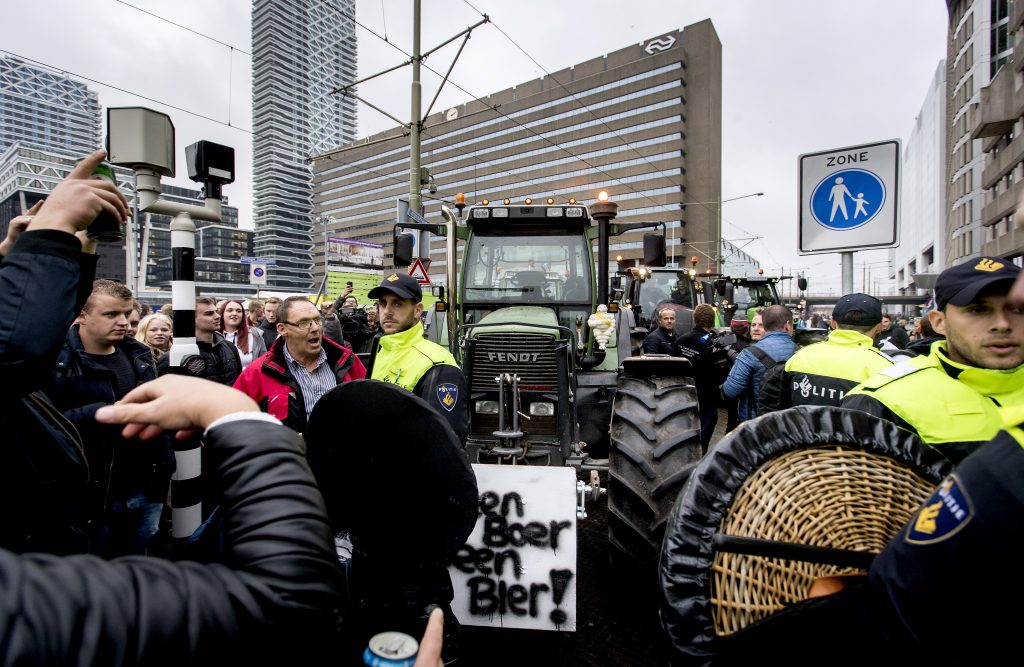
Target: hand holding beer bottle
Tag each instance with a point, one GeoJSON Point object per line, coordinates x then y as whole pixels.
{"type": "Point", "coordinates": [77, 200]}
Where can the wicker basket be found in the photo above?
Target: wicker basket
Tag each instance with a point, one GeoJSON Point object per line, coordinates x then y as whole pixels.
{"type": "Point", "coordinates": [830, 496]}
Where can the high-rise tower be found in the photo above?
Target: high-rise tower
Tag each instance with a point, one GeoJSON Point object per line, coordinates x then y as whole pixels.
{"type": "Point", "coordinates": [43, 109]}
{"type": "Point", "coordinates": [302, 51]}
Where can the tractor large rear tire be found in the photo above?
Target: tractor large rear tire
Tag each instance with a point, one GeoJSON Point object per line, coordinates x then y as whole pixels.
{"type": "Point", "coordinates": [655, 444]}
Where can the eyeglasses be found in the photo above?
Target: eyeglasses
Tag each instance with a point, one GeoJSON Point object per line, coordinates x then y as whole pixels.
{"type": "Point", "coordinates": [306, 324]}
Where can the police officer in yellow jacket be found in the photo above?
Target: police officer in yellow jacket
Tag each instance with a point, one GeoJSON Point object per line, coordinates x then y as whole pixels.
{"type": "Point", "coordinates": [822, 373]}
{"type": "Point", "coordinates": [404, 357]}
{"type": "Point", "coordinates": [952, 397]}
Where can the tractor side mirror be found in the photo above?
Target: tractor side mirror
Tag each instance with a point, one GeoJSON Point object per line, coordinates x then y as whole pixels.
{"type": "Point", "coordinates": [403, 243]}
{"type": "Point", "coordinates": [728, 292]}
{"type": "Point", "coordinates": [654, 250]}
{"type": "Point", "coordinates": [801, 283]}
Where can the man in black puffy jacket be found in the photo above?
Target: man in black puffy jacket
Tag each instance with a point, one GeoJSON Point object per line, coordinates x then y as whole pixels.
{"type": "Point", "coordinates": [276, 597]}
{"type": "Point", "coordinates": [99, 365]}
{"type": "Point", "coordinates": [223, 364]}
{"type": "Point", "coordinates": [43, 473]}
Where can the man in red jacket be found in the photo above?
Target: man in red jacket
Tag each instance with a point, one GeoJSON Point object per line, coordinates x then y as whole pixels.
{"type": "Point", "coordinates": [300, 367]}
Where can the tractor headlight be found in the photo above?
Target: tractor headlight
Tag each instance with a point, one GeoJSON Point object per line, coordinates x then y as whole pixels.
{"type": "Point", "coordinates": [542, 409]}
{"type": "Point", "coordinates": [487, 407]}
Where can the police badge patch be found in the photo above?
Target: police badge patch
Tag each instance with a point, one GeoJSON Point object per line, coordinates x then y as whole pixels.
{"type": "Point", "coordinates": [943, 515]}
{"type": "Point", "coordinates": [448, 395]}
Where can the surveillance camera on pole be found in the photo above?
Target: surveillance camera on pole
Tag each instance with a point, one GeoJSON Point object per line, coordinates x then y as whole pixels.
{"type": "Point", "coordinates": [143, 140]}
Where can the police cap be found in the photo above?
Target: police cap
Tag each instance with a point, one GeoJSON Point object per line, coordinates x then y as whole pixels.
{"type": "Point", "coordinates": [401, 284]}
{"type": "Point", "coordinates": [869, 307]}
{"type": "Point", "coordinates": [961, 284]}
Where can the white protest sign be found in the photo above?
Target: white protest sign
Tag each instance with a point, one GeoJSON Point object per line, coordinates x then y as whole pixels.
{"type": "Point", "coordinates": [518, 568]}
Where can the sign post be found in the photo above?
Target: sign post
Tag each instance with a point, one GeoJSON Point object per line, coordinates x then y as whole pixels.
{"type": "Point", "coordinates": [257, 274]}
{"type": "Point", "coordinates": [849, 200]}
{"type": "Point", "coordinates": [418, 270]}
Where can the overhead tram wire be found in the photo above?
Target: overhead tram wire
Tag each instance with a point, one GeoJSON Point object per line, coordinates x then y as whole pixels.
{"type": "Point", "coordinates": [184, 27]}
{"type": "Point", "coordinates": [126, 91]}
{"type": "Point", "coordinates": [513, 120]}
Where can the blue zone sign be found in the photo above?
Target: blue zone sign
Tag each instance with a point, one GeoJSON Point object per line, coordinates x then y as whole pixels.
{"type": "Point", "coordinates": [849, 198]}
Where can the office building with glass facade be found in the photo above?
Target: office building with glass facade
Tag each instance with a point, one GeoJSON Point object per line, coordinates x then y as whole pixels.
{"type": "Point", "coordinates": [219, 249]}
{"type": "Point", "coordinates": [303, 51]}
{"type": "Point", "coordinates": [44, 109]}
{"type": "Point", "coordinates": [642, 123]}
{"type": "Point", "coordinates": [922, 245]}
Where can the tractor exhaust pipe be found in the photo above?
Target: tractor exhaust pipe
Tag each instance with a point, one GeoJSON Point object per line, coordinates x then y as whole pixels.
{"type": "Point", "coordinates": [452, 271]}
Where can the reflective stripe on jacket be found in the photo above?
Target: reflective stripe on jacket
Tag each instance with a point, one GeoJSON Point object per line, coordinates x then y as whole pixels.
{"type": "Point", "coordinates": [946, 403]}
{"type": "Point", "coordinates": [822, 373]}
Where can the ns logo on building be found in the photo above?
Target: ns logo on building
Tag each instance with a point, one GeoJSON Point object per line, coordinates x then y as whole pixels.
{"type": "Point", "coordinates": [663, 43]}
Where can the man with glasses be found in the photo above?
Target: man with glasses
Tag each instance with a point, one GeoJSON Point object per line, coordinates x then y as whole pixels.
{"type": "Point", "coordinates": [300, 366]}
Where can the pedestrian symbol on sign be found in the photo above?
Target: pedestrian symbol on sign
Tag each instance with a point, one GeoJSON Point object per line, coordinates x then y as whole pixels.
{"type": "Point", "coordinates": [835, 206]}
{"type": "Point", "coordinates": [257, 274]}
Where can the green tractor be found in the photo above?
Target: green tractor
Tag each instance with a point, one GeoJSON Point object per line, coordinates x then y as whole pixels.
{"type": "Point", "coordinates": [741, 295]}
{"type": "Point", "coordinates": [550, 384]}
{"type": "Point", "coordinates": [645, 290]}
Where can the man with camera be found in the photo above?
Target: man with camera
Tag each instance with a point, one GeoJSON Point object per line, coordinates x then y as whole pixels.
{"type": "Point", "coordinates": [354, 324]}
{"type": "Point", "coordinates": [332, 326]}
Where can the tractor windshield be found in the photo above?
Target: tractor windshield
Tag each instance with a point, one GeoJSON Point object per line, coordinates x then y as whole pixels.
{"type": "Point", "coordinates": [527, 269]}
{"type": "Point", "coordinates": [754, 295]}
{"type": "Point", "coordinates": [665, 286]}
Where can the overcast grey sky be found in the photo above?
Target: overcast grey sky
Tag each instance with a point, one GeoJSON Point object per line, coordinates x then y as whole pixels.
{"type": "Point", "coordinates": [799, 76]}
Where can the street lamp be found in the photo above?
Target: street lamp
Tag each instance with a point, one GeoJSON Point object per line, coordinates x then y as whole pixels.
{"type": "Point", "coordinates": [718, 254]}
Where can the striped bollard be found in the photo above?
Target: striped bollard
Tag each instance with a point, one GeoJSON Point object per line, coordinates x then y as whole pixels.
{"type": "Point", "coordinates": [186, 483]}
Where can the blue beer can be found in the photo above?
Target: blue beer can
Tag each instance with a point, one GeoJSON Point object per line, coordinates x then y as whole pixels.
{"type": "Point", "coordinates": [391, 649]}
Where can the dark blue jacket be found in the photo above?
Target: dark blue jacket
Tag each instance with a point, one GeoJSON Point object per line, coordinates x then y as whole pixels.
{"type": "Point", "coordinates": [43, 472]}
{"type": "Point", "coordinates": [119, 468]}
{"type": "Point", "coordinates": [274, 598]}
{"type": "Point", "coordinates": [660, 341]}
{"type": "Point", "coordinates": [744, 381]}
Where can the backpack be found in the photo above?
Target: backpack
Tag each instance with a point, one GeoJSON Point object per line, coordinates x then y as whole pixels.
{"type": "Point", "coordinates": [772, 382]}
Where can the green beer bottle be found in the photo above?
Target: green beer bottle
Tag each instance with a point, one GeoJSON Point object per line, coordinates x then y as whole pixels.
{"type": "Point", "coordinates": [106, 228]}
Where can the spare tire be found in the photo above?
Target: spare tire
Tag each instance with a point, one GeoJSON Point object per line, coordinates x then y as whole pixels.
{"type": "Point", "coordinates": [818, 476]}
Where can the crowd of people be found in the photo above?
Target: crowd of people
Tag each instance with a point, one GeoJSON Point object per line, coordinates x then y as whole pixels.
{"type": "Point", "coordinates": [92, 409]}
{"type": "Point", "coordinates": [866, 358]}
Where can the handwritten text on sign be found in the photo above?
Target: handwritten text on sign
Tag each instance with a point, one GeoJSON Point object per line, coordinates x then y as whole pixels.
{"type": "Point", "coordinates": [518, 568]}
